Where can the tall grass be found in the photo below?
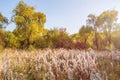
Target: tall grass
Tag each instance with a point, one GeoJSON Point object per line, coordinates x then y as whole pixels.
{"type": "Point", "coordinates": [59, 64]}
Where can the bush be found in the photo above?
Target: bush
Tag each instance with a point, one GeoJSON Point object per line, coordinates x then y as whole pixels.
{"type": "Point", "coordinates": [64, 43]}
{"type": "Point", "coordinates": [80, 45]}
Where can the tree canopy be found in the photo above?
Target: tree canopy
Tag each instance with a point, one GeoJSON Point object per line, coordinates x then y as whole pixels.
{"type": "Point", "coordinates": [30, 24]}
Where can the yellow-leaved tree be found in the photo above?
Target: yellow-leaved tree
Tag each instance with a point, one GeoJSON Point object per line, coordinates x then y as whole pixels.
{"type": "Point", "coordinates": [106, 22]}
{"type": "Point", "coordinates": [30, 24]}
{"type": "Point", "coordinates": [3, 22]}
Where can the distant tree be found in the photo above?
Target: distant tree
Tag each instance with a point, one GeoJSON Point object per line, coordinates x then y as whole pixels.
{"type": "Point", "coordinates": [91, 21]}
{"type": "Point", "coordinates": [85, 32]}
{"type": "Point", "coordinates": [55, 36]}
{"type": "Point", "coordinates": [106, 21]}
{"type": "Point", "coordinates": [48, 39]}
{"type": "Point", "coordinates": [58, 38]}
{"type": "Point", "coordinates": [116, 36]}
{"type": "Point", "coordinates": [52, 37]}
{"type": "Point", "coordinates": [76, 37]}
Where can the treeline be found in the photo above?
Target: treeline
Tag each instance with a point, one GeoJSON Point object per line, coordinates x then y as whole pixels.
{"type": "Point", "coordinates": [100, 32]}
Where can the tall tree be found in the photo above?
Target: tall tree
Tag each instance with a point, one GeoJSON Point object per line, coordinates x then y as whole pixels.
{"type": "Point", "coordinates": [3, 22]}
{"type": "Point", "coordinates": [106, 21]}
{"type": "Point", "coordinates": [91, 21]}
{"type": "Point", "coordinates": [30, 24]}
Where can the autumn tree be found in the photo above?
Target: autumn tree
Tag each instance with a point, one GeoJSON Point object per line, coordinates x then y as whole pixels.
{"type": "Point", "coordinates": [52, 37]}
{"type": "Point", "coordinates": [75, 37]}
{"type": "Point", "coordinates": [64, 40]}
{"type": "Point", "coordinates": [85, 32]}
{"type": "Point", "coordinates": [3, 23]}
{"type": "Point", "coordinates": [106, 21]}
{"type": "Point", "coordinates": [91, 21]}
{"type": "Point", "coordinates": [30, 24]}
{"type": "Point", "coordinates": [11, 41]}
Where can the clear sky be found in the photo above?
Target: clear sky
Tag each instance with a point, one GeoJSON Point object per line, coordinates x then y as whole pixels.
{"type": "Point", "coordinates": [71, 14]}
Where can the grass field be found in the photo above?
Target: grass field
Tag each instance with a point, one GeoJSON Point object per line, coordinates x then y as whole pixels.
{"type": "Point", "coordinates": [59, 64]}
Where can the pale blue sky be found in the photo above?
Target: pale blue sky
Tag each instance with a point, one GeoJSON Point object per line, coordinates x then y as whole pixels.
{"type": "Point", "coordinates": [71, 14]}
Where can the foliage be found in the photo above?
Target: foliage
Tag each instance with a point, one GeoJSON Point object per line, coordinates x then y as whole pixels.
{"type": "Point", "coordinates": [85, 32]}
{"type": "Point", "coordinates": [80, 45]}
{"type": "Point", "coordinates": [41, 43]}
{"type": "Point", "coordinates": [64, 43]}
{"type": "Point", "coordinates": [3, 21]}
{"type": "Point", "coordinates": [100, 32]}
{"type": "Point", "coordinates": [106, 22]}
{"type": "Point", "coordinates": [11, 40]}
{"type": "Point", "coordinates": [2, 38]}
{"type": "Point", "coordinates": [30, 24]}
{"type": "Point", "coordinates": [52, 37]}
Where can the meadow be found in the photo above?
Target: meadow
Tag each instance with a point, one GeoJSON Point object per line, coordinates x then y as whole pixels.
{"type": "Point", "coordinates": [59, 64]}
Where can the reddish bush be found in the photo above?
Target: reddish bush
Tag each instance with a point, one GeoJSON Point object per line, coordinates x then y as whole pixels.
{"type": "Point", "coordinates": [68, 44]}
{"type": "Point", "coordinates": [80, 45]}
{"type": "Point", "coordinates": [64, 43]}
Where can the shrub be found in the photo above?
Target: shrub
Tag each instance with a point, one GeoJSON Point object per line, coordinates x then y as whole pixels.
{"type": "Point", "coordinates": [64, 43]}
{"type": "Point", "coordinates": [80, 45]}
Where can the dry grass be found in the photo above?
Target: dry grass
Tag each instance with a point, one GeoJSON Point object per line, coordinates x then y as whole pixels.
{"type": "Point", "coordinates": [59, 64]}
